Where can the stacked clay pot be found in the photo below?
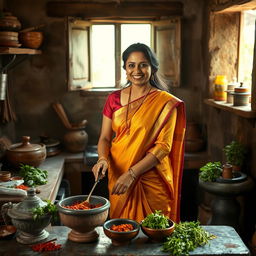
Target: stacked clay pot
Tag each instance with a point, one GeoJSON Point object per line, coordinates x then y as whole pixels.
{"type": "Point", "coordinates": [9, 25]}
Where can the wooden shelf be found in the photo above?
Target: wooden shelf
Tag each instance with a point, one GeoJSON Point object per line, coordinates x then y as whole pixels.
{"type": "Point", "coordinates": [244, 111]}
{"type": "Point", "coordinates": [13, 50]}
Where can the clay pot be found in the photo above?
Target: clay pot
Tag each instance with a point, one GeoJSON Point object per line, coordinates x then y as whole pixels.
{"type": "Point", "coordinates": [193, 131]}
{"type": "Point", "coordinates": [32, 39]}
{"type": "Point", "coordinates": [9, 22]}
{"type": "Point", "coordinates": [26, 153]}
{"type": "Point", "coordinates": [227, 171]}
{"type": "Point", "coordinates": [83, 222]}
{"type": "Point", "coordinates": [76, 140]}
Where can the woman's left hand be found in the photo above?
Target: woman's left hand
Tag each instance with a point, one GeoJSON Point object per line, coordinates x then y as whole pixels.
{"type": "Point", "coordinates": [122, 184]}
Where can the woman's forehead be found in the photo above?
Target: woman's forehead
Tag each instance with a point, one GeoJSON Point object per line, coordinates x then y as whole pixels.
{"type": "Point", "coordinates": [137, 57]}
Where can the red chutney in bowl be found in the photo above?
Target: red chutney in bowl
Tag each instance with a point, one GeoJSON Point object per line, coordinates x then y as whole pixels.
{"type": "Point", "coordinates": [82, 206]}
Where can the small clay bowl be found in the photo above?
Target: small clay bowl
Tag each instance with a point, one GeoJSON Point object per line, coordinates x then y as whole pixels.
{"type": "Point", "coordinates": [16, 178]}
{"type": "Point", "coordinates": [5, 176]}
{"type": "Point", "coordinates": [121, 238]}
{"type": "Point", "coordinates": [7, 231]}
{"type": "Point", "coordinates": [158, 235]}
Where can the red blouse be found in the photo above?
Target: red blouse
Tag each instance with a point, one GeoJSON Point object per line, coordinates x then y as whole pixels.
{"type": "Point", "coordinates": [112, 104]}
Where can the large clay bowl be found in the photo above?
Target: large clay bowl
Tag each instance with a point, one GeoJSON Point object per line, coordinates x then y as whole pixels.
{"type": "Point", "coordinates": [83, 222]}
{"type": "Point", "coordinates": [158, 235]}
{"type": "Point", "coordinates": [121, 238]}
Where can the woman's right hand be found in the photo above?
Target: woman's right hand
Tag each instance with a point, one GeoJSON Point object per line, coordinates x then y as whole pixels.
{"type": "Point", "coordinates": [101, 165]}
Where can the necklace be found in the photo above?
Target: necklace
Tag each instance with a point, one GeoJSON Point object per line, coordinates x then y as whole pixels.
{"type": "Point", "coordinates": [128, 122]}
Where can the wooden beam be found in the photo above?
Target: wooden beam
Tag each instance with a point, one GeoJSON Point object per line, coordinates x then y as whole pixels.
{"type": "Point", "coordinates": [115, 10]}
{"type": "Point", "coordinates": [234, 6]}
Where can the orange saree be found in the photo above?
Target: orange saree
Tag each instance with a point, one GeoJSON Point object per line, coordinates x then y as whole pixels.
{"type": "Point", "coordinates": [157, 127]}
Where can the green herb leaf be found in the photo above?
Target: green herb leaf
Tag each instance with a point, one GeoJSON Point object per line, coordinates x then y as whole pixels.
{"type": "Point", "coordinates": [156, 220]}
{"type": "Point", "coordinates": [33, 176]}
{"type": "Point", "coordinates": [185, 238]}
{"type": "Point", "coordinates": [49, 208]}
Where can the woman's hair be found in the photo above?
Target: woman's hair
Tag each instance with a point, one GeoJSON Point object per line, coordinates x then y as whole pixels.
{"type": "Point", "coordinates": [154, 80]}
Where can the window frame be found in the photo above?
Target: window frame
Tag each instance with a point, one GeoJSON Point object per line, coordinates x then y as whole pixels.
{"type": "Point", "coordinates": [173, 23]}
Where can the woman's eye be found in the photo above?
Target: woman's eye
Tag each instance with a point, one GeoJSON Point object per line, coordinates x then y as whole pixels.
{"type": "Point", "coordinates": [144, 65]}
{"type": "Point", "coordinates": [130, 65]}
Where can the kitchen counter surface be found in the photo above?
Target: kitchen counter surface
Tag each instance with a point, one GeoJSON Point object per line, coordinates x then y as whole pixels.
{"type": "Point", "coordinates": [227, 242]}
{"type": "Point", "coordinates": [55, 167]}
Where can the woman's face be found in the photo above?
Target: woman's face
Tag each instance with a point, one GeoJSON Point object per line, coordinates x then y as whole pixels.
{"type": "Point", "coordinates": [138, 69]}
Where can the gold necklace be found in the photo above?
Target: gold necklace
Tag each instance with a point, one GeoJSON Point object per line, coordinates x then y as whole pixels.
{"type": "Point", "coordinates": [128, 122]}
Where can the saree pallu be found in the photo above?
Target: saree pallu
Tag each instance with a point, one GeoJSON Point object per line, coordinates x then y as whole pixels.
{"type": "Point", "coordinates": [157, 127]}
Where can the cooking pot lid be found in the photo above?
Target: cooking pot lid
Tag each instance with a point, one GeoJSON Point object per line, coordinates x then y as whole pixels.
{"type": "Point", "coordinates": [23, 209]}
{"type": "Point", "coordinates": [25, 145]}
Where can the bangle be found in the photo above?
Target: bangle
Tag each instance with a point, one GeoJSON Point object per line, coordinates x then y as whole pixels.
{"type": "Point", "coordinates": [131, 171]}
{"type": "Point", "coordinates": [102, 159]}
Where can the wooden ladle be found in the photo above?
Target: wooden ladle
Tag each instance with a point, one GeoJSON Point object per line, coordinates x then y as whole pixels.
{"type": "Point", "coordinates": [100, 176]}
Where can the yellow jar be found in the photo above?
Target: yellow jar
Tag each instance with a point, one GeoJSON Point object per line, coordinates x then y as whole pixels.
{"type": "Point", "coordinates": [220, 87]}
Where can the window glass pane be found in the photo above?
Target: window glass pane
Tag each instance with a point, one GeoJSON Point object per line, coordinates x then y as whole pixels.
{"type": "Point", "coordinates": [247, 46]}
{"type": "Point", "coordinates": [103, 56]}
{"type": "Point", "coordinates": [133, 33]}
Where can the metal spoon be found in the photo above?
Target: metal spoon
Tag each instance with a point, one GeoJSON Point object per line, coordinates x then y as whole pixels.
{"type": "Point", "coordinates": [96, 182]}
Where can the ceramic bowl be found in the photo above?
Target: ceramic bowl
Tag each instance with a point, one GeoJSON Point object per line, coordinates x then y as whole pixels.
{"type": "Point", "coordinates": [7, 231]}
{"type": "Point", "coordinates": [83, 222]}
{"type": "Point", "coordinates": [121, 238]}
{"type": "Point", "coordinates": [158, 235]}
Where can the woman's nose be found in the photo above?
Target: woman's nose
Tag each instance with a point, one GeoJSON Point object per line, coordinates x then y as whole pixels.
{"type": "Point", "coordinates": [137, 69]}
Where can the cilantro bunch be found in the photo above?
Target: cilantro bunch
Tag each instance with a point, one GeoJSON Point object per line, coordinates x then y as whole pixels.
{"type": "Point", "coordinates": [33, 176]}
{"type": "Point", "coordinates": [156, 220]}
{"type": "Point", "coordinates": [48, 209]}
{"type": "Point", "coordinates": [185, 238]}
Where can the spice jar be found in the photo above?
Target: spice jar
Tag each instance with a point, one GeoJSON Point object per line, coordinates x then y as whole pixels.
{"type": "Point", "coordinates": [241, 95]}
{"type": "Point", "coordinates": [220, 87]}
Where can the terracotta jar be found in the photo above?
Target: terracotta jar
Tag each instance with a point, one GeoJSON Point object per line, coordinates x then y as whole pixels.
{"type": "Point", "coordinates": [227, 171]}
{"type": "Point", "coordinates": [26, 153]}
{"type": "Point", "coordinates": [76, 140]}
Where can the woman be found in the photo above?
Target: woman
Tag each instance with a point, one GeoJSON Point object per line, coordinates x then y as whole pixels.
{"type": "Point", "coordinates": [145, 158]}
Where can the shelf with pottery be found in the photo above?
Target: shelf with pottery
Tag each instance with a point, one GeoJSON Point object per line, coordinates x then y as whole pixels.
{"type": "Point", "coordinates": [244, 111]}
{"type": "Point", "coordinates": [14, 50]}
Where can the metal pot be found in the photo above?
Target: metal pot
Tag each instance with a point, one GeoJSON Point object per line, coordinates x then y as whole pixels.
{"type": "Point", "coordinates": [29, 230]}
{"type": "Point", "coordinates": [26, 153]}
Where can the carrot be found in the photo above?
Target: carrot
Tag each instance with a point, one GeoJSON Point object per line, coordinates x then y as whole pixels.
{"type": "Point", "coordinates": [122, 227]}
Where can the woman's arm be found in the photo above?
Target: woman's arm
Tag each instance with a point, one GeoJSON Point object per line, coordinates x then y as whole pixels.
{"type": "Point", "coordinates": [103, 147]}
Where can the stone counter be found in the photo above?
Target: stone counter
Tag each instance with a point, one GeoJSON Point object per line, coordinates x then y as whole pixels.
{"type": "Point", "coordinates": [227, 242]}
{"type": "Point", "coordinates": [55, 168]}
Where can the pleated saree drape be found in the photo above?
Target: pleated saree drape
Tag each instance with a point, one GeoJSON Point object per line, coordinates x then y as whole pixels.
{"type": "Point", "coordinates": [158, 127]}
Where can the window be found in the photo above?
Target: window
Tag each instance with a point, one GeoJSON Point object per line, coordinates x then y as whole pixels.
{"type": "Point", "coordinates": [95, 48]}
{"type": "Point", "coordinates": [247, 38]}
